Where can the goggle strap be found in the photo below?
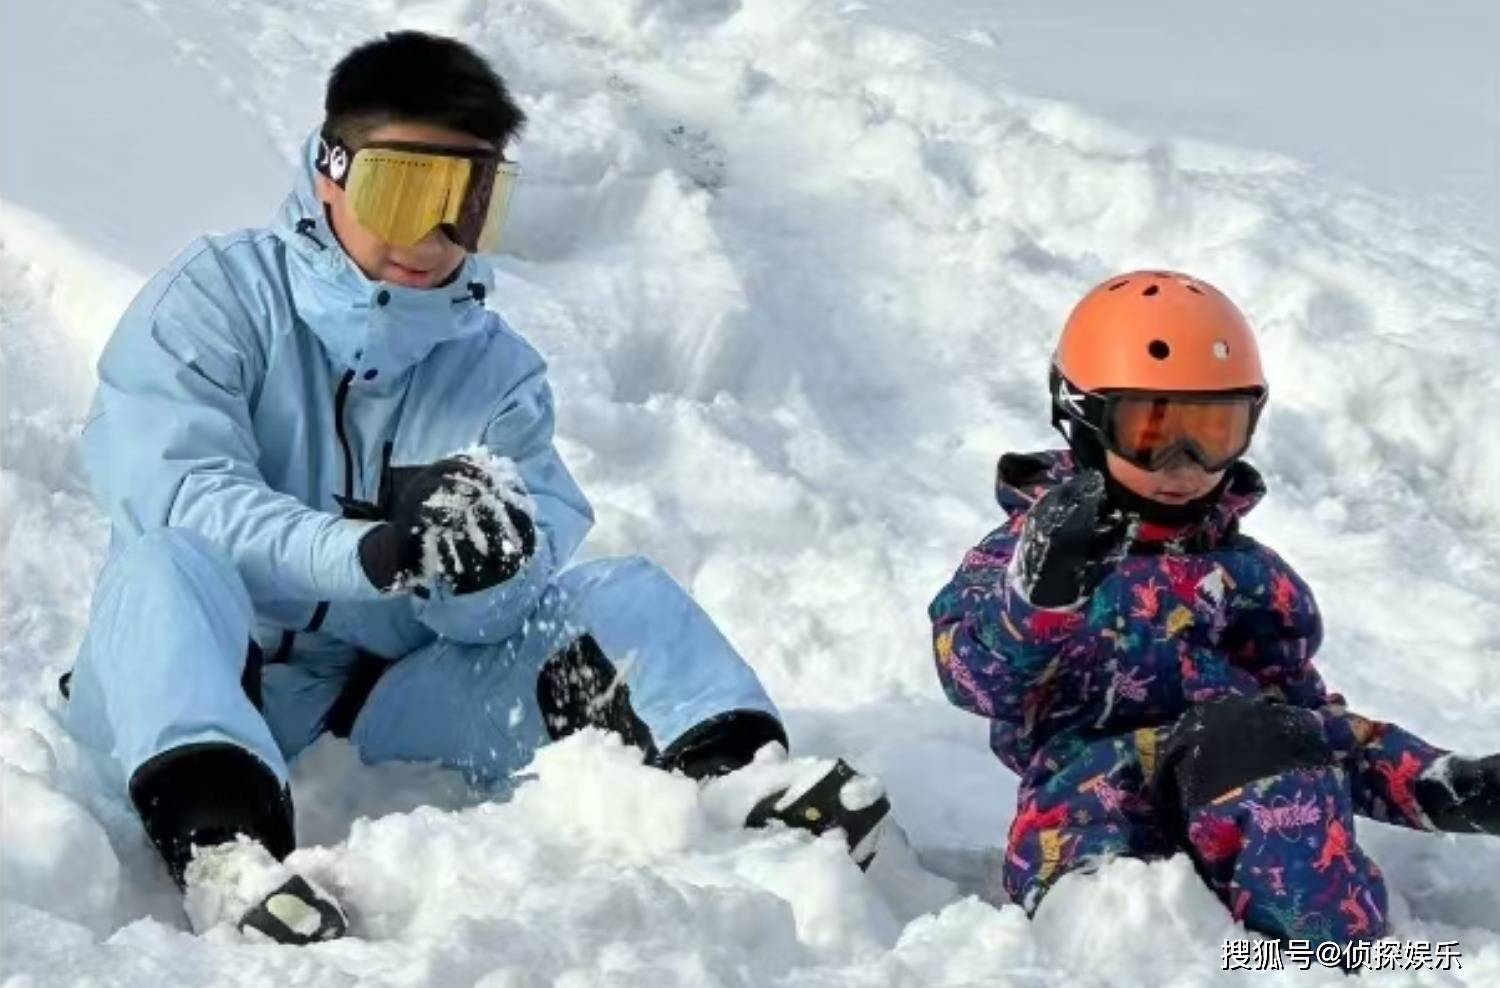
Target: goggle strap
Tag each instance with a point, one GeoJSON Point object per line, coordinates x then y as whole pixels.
{"type": "Point", "coordinates": [334, 158]}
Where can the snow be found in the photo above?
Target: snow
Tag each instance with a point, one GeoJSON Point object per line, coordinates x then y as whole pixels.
{"type": "Point", "coordinates": [797, 266]}
{"type": "Point", "coordinates": [52, 842]}
{"type": "Point", "coordinates": [1401, 97]}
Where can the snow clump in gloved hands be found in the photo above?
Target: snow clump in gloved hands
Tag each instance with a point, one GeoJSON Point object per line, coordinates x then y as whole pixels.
{"type": "Point", "coordinates": [465, 520]}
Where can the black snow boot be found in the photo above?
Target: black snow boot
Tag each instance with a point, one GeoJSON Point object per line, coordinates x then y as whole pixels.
{"type": "Point", "coordinates": [207, 794]}
{"type": "Point", "coordinates": [222, 824]}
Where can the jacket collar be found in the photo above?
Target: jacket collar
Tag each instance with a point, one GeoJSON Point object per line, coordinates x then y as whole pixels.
{"type": "Point", "coordinates": [369, 326]}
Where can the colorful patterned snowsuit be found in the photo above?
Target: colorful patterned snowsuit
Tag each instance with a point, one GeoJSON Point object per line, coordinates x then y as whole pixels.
{"type": "Point", "coordinates": [1082, 701]}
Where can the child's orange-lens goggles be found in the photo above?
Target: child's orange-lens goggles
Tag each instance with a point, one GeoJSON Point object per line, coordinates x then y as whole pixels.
{"type": "Point", "coordinates": [1153, 430]}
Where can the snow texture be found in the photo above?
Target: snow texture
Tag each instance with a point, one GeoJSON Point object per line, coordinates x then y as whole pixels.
{"type": "Point", "coordinates": [796, 266]}
{"type": "Point", "coordinates": [1402, 97]}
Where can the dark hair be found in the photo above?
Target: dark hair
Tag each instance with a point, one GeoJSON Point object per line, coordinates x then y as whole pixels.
{"type": "Point", "coordinates": [420, 78]}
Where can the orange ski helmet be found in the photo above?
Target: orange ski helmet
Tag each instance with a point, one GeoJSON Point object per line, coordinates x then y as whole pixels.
{"type": "Point", "coordinates": [1157, 336]}
{"type": "Point", "coordinates": [1158, 331]}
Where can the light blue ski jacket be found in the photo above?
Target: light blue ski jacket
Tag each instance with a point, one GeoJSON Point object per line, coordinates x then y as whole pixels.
{"type": "Point", "coordinates": [261, 383]}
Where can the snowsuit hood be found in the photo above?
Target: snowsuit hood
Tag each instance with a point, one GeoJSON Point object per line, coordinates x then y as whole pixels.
{"type": "Point", "coordinates": [366, 323]}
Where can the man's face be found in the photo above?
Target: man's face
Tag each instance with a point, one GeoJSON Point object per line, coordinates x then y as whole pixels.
{"type": "Point", "coordinates": [425, 264]}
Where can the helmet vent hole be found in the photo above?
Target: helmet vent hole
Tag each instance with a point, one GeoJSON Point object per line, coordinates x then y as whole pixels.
{"type": "Point", "coordinates": [1159, 349]}
{"type": "Point", "coordinates": [1118, 285]}
{"type": "Point", "coordinates": [1193, 288]}
{"type": "Point", "coordinates": [1152, 290]}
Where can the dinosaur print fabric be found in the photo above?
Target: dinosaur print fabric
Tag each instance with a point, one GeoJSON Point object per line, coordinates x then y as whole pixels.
{"type": "Point", "coordinates": [1082, 702]}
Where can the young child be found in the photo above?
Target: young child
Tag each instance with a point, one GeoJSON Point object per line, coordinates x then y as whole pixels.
{"type": "Point", "coordinates": [1147, 668]}
{"type": "Point", "coordinates": [337, 507]}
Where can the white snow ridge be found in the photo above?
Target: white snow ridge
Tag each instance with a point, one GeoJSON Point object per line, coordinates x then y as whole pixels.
{"type": "Point", "coordinates": [797, 266]}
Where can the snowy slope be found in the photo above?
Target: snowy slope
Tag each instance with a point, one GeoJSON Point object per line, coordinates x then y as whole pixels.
{"type": "Point", "coordinates": [797, 266]}
{"type": "Point", "coordinates": [1403, 97]}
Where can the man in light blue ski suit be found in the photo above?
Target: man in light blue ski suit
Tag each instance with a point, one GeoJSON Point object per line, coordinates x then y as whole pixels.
{"type": "Point", "coordinates": [336, 505]}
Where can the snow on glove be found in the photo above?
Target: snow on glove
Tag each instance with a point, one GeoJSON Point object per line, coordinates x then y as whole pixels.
{"type": "Point", "coordinates": [465, 520]}
{"type": "Point", "coordinates": [1462, 794]}
{"type": "Point", "coordinates": [1071, 538]}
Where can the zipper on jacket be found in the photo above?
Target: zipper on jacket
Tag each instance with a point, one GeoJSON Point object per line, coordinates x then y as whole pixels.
{"type": "Point", "coordinates": [340, 401]}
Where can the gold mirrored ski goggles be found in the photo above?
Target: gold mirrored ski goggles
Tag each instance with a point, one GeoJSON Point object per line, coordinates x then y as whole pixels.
{"type": "Point", "coordinates": [401, 191]}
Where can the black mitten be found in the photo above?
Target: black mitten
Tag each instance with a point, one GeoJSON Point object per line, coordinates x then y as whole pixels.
{"type": "Point", "coordinates": [1224, 744]}
{"type": "Point", "coordinates": [1072, 536]}
{"type": "Point", "coordinates": [455, 521]}
{"type": "Point", "coordinates": [1462, 794]}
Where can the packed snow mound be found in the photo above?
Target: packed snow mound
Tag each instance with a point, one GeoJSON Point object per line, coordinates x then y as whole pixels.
{"type": "Point", "coordinates": [797, 270]}
{"type": "Point", "coordinates": [551, 889]}
{"type": "Point", "coordinates": [51, 843]}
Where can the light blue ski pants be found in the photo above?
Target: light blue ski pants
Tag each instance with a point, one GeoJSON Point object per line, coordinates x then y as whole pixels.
{"type": "Point", "coordinates": [171, 622]}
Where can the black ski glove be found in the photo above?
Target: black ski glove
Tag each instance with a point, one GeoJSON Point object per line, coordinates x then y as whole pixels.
{"type": "Point", "coordinates": [1071, 538]}
{"type": "Point", "coordinates": [1462, 794]}
{"type": "Point", "coordinates": [453, 521]}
